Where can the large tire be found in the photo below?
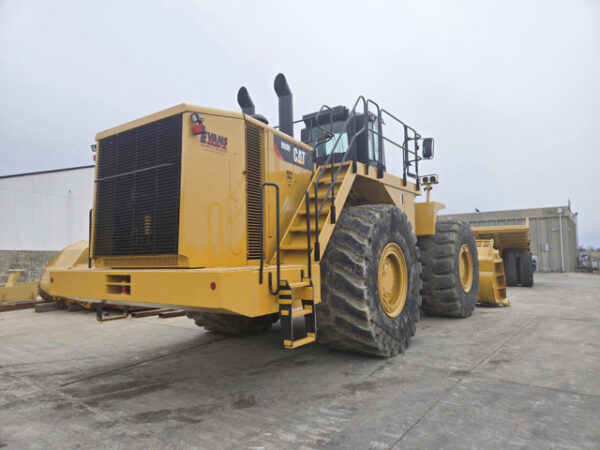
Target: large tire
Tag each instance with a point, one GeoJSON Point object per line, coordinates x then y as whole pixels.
{"type": "Point", "coordinates": [351, 315]}
{"type": "Point", "coordinates": [233, 324]}
{"type": "Point", "coordinates": [441, 255]}
{"type": "Point", "coordinates": [525, 270]}
{"type": "Point", "coordinates": [510, 268]}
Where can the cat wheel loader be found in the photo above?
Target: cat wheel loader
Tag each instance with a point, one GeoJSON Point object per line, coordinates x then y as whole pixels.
{"type": "Point", "coordinates": [242, 224]}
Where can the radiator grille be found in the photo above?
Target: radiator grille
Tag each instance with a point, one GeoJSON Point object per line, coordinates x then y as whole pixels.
{"type": "Point", "coordinates": [254, 178]}
{"type": "Point", "coordinates": [137, 190]}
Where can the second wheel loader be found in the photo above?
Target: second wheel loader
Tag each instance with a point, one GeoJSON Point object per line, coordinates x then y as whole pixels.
{"type": "Point", "coordinates": [241, 225]}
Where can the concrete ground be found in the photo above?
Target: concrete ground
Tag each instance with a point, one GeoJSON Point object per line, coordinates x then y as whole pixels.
{"type": "Point", "coordinates": [527, 376]}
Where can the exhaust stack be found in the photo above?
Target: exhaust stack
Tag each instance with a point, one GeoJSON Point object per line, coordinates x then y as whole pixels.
{"type": "Point", "coordinates": [247, 105]}
{"type": "Point", "coordinates": [245, 101]}
{"type": "Point", "coordinates": [286, 110]}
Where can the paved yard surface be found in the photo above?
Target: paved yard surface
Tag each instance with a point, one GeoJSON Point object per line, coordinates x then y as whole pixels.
{"type": "Point", "coordinates": [527, 376]}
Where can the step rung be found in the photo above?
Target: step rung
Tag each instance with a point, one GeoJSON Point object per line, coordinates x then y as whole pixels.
{"type": "Point", "coordinates": [310, 337]}
{"type": "Point", "coordinates": [296, 313]}
{"type": "Point", "coordinates": [299, 284]}
{"type": "Point", "coordinates": [322, 192]}
{"type": "Point", "coordinates": [326, 180]}
{"type": "Point", "coordinates": [301, 228]}
{"type": "Point", "coordinates": [325, 210]}
{"type": "Point", "coordinates": [294, 246]}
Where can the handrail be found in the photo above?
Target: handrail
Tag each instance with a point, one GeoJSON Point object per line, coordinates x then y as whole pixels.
{"type": "Point", "coordinates": [90, 238]}
{"type": "Point", "coordinates": [262, 238]}
{"type": "Point", "coordinates": [407, 162]}
{"type": "Point", "coordinates": [308, 245]}
{"type": "Point", "coordinates": [335, 174]}
{"type": "Point", "coordinates": [410, 134]}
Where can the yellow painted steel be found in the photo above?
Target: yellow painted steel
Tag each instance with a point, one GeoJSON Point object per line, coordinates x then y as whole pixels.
{"type": "Point", "coordinates": [492, 283]}
{"type": "Point", "coordinates": [211, 271]}
{"type": "Point", "coordinates": [392, 279]}
{"type": "Point", "coordinates": [513, 238]}
{"type": "Point", "coordinates": [465, 268]}
{"type": "Point", "coordinates": [425, 217]}
{"type": "Point", "coordinates": [14, 291]}
{"type": "Point", "coordinates": [426, 212]}
{"type": "Point", "coordinates": [74, 256]}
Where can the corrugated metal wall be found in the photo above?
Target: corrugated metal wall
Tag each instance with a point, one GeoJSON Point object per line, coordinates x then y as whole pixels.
{"type": "Point", "coordinates": [545, 231]}
{"type": "Point", "coordinates": [45, 211]}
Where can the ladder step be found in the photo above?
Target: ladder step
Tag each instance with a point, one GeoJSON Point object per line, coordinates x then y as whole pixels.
{"type": "Point", "coordinates": [300, 225]}
{"type": "Point", "coordinates": [295, 313]}
{"type": "Point", "coordinates": [299, 284]}
{"type": "Point", "coordinates": [294, 246]}
{"type": "Point", "coordinates": [326, 180]}
{"type": "Point", "coordinates": [323, 188]}
{"type": "Point", "coordinates": [310, 337]}
{"type": "Point", "coordinates": [325, 210]}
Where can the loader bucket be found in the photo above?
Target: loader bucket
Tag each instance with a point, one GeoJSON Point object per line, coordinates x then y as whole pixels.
{"type": "Point", "coordinates": [75, 255]}
{"type": "Point", "coordinates": [492, 283]}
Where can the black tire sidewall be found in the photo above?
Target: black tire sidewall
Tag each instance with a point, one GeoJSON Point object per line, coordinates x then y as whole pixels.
{"type": "Point", "coordinates": [469, 299]}
{"type": "Point", "coordinates": [510, 268]}
{"type": "Point", "coordinates": [525, 269]}
{"type": "Point", "coordinates": [393, 228]}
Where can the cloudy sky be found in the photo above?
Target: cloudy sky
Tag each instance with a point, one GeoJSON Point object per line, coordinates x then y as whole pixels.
{"type": "Point", "coordinates": [509, 89]}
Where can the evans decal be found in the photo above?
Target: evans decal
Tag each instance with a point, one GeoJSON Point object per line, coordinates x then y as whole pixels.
{"type": "Point", "coordinates": [214, 141]}
{"type": "Point", "coordinates": [291, 153]}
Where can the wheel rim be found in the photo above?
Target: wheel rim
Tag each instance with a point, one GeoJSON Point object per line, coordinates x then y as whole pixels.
{"type": "Point", "coordinates": [392, 280]}
{"type": "Point", "coordinates": [465, 267]}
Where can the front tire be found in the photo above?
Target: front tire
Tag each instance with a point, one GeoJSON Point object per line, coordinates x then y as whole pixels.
{"type": "Point", "coordinates": [370, 281]}
{"type": "Point", "coordinates": [450, 269]}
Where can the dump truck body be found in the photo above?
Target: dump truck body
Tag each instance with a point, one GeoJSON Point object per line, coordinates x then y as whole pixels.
{"type": "Point", "coordinates": [513, 238]}
{"type": "Point", "coordinates": [513, 243]}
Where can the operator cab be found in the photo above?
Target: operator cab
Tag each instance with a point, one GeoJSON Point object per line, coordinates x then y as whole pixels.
{"type": "Point", "coordinates": [323, 130]}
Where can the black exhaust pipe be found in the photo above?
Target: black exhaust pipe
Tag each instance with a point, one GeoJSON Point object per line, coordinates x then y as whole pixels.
{"type": "Point", "coordinates": [286, 110]}
{"type": "Point", "coordinates": [245, 101]}
{"type": "Point", "coordinates": [247, 105]}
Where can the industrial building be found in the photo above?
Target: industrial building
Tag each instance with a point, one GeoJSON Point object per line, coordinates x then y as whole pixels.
{"type": "Point", "coordinates": [553, 232]}
{"type": "Point", "coordinates": [42, 213]}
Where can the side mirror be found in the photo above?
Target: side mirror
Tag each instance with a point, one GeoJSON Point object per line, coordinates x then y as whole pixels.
{"type": "Point", "coordinates": [427, 148]}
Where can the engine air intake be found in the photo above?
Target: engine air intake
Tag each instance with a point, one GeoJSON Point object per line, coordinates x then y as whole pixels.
{"type": "Point", "coordinates": [254, 179]}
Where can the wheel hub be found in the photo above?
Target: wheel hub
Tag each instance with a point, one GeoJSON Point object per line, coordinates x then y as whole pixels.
{"type": "Point", "coordinates": [392, 279]}
{"type": "Point", "coordinates": [465, 267]}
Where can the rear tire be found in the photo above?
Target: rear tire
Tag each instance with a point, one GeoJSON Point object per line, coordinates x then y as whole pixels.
{"type": "Point", "coordinates": [525, 269]}
{"type": "Point", "coordinates": [233, 324]}
{"type": "Point", "coordinates": [443, 291]}
{"type": "Point", "coordinates": [510, 268]}
{"type": "Point", "coordinates": [352, 315]}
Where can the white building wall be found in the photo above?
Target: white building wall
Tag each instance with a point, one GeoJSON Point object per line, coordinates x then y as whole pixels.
{"type": "Point", "coordinates": [45, 211]}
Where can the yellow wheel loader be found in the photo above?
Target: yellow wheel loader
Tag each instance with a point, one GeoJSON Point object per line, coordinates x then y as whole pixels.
{"type": "Point", "coordinates": [241, 224]}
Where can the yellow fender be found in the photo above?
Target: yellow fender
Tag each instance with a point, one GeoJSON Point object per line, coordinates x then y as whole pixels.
{"type": "Point", "coordinates": [492, 283]}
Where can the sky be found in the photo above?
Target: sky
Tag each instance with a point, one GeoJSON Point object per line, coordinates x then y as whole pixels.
{"type": "Point", "coordinates": [510, 90]}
